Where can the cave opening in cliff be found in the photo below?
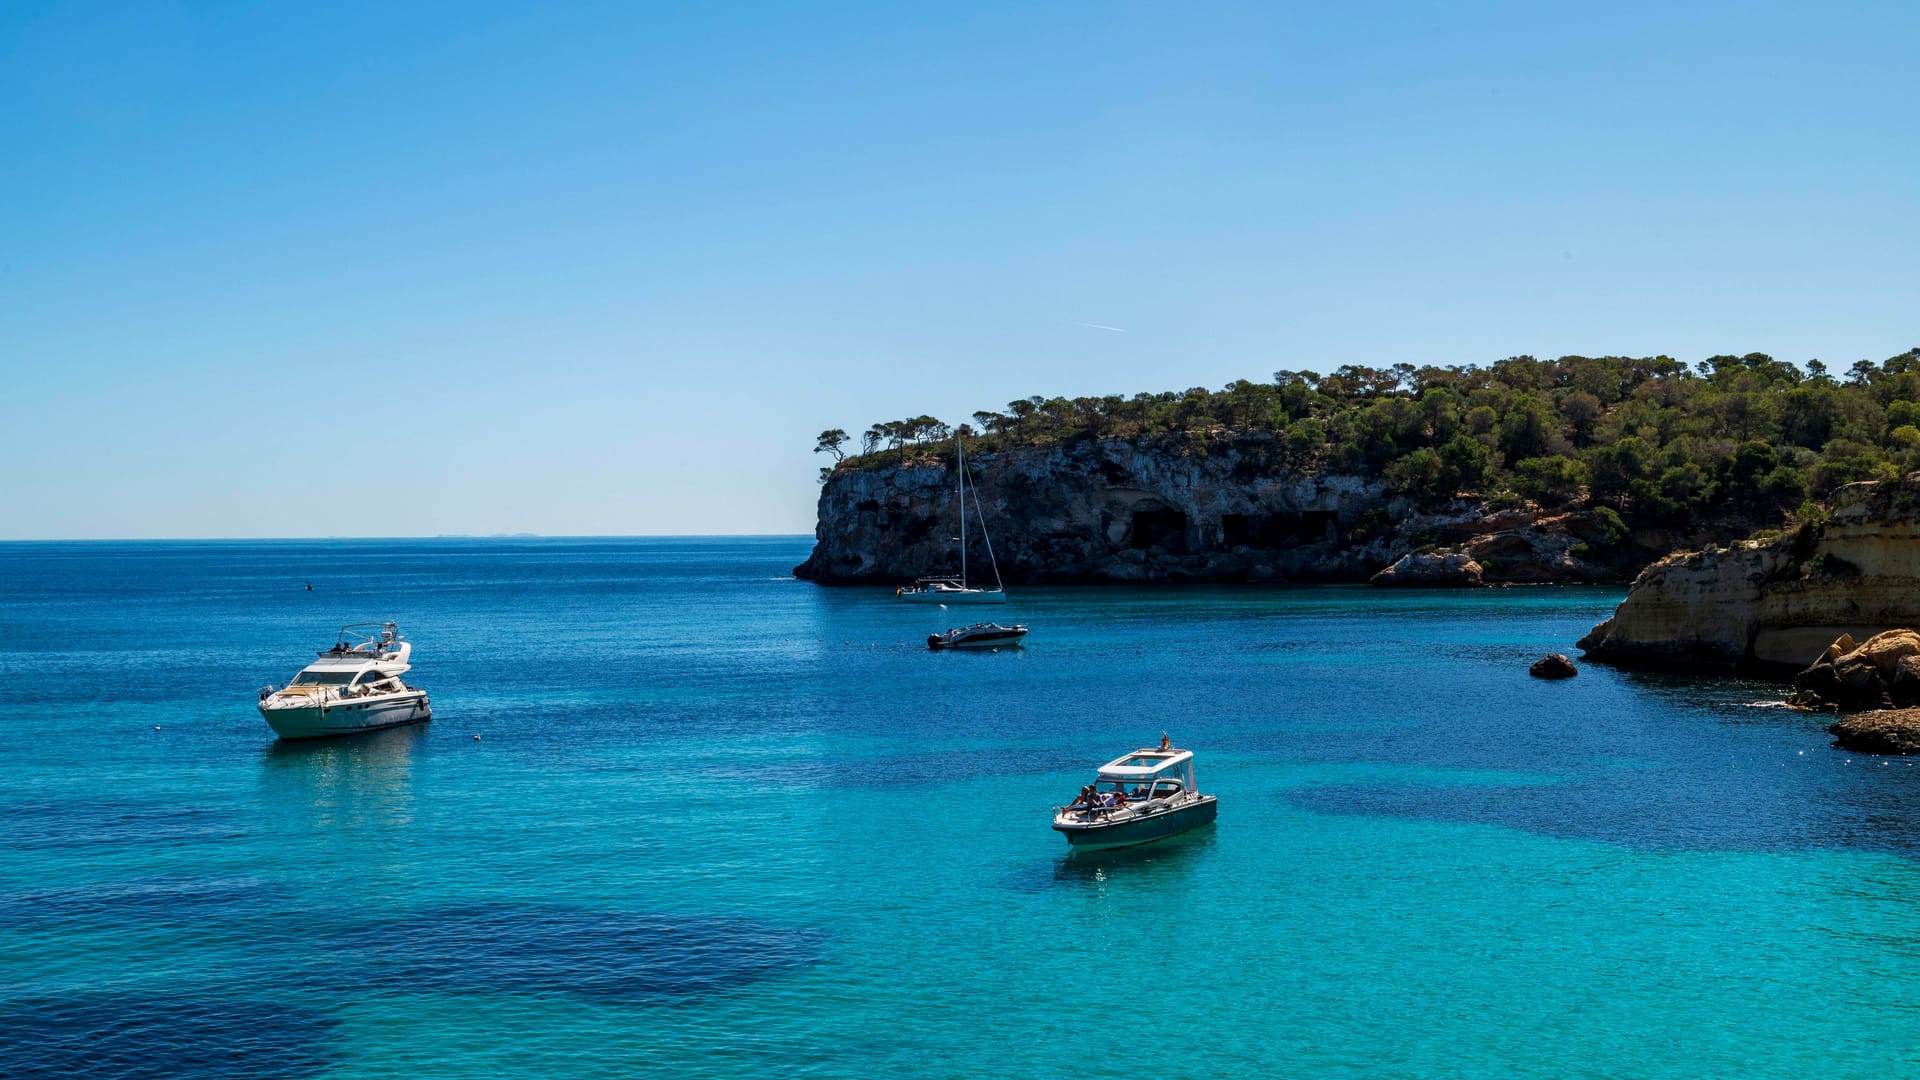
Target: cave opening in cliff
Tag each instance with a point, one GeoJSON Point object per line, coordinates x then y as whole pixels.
{"type": "Point", "coordinates": [1275, 530]}
{"type": "Point", "coordinates": [1163, 528]}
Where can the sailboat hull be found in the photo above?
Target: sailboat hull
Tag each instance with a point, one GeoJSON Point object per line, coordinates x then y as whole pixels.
{"type": "Point", "coordinates": [953, 596]}
{"type": "Point", "coordinates": [941, 589]}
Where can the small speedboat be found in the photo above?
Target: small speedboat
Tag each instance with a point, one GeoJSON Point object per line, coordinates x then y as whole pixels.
{"type": "Point", "coordinates": [1145, 796]}
{"type": "Point", "coordinates": [981, 635]}
{"type": "Point", "coordinates": [354, 686]}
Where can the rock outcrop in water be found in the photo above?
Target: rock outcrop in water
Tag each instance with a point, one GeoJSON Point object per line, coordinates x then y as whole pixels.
{"type": "Point", "coordinates": [1779, 602]}
{"type": "Point", "coordinates": [1886, 731]}
{"type": "Point", "coordinates": [1553, 666]}
{"type": "Point", "coordinates": [1431, 570]}
{"type": "Point", "coordinates": [1882, 672]}
{"type": "Point", "coordinates": [1231, 509]}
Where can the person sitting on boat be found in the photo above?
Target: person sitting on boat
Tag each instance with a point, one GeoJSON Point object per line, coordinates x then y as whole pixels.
{"type": "Point", "coordinates": [1165, 743]}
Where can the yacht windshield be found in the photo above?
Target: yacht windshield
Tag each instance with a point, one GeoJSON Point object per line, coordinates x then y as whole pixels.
{"type": "Point", "coordinates": [323, 678]}
{"type": "Point", "coordinates": [1136, 790]}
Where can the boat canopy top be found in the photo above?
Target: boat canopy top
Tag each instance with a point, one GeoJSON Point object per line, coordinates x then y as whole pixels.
{"type": "Point", "coordinates": [353, 662]}
{"type": "Point", "coordinates": [1146, 764]}
{"type": "Point", "coordinates": [377, 646]}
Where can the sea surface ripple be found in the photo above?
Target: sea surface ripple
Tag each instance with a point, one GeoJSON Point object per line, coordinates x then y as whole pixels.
{"type": "Point", "coordinates": [679, 814]}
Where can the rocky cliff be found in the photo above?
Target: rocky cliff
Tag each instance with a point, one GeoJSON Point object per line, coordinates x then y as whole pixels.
{"type": "Point", "coordinates": [1776, 603]}
{"type": "Point", "coordinates": [1115, 510]}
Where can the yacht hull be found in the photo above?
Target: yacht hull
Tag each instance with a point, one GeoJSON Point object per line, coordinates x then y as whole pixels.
{"type": "Point", "coordinates": [1106, 834]}
{"type": "Point", "coordinates": [347, 717]}
{"type": "Point", "coordinates": [957, 596]}
{"type": "Point", "coordinates": [1001, 640]}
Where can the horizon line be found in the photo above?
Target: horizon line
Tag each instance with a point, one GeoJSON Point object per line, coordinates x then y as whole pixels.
{"type": "Point", "coordinates": [436, 536]}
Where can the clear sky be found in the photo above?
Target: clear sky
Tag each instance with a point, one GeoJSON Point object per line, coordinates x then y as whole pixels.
{"type": "Point", "coordinates": [287, 269]}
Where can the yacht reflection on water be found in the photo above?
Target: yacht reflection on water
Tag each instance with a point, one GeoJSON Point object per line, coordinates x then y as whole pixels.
{"type": "Point", "coordinates": [1139, 867]}
{"type": "Point", "coordinates": [345, 782]}
{"type": "Point", "coordinates": [389, 746]}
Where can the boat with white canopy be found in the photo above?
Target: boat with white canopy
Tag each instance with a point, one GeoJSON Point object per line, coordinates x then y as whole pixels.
{"type": "Point", "coordinates": [352, 687]}
{"type": "Point", "coordinates": [947, 589]}
{"type": "Point", "coordinates": [1144, 796]}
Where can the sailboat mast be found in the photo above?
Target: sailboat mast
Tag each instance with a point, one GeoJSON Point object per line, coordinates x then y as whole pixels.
{"type": "Point", "coordinates": [960, 459]}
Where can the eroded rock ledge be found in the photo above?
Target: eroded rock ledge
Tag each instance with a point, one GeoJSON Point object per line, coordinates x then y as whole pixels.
{"type": "Point", "coordinates": [1776, 604]}
{"type": "Point", "coordinates": [1884, 731]}
{"type": "Point", "coordinates": [1227, 510]}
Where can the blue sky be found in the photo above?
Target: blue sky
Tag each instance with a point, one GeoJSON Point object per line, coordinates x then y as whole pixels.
{"type": "Point", "coordinates": [607, 268]}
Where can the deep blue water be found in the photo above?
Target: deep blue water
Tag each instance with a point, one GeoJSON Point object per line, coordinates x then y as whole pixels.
{"type": "Point", "coordinates": [717, 822]}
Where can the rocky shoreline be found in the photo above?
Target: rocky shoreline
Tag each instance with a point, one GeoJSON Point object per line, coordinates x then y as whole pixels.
{"type": "Point", "coordinates": [1775, 604]}
{"type": "Point", "coordinates": [1228, 510]}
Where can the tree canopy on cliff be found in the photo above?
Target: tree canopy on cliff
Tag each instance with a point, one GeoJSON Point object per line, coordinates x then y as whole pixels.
{"type": "Point", "coordinates": [1649, 438]}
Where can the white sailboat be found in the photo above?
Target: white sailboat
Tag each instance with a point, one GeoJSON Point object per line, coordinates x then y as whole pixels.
{"type": "Point", "coordinates": [951, 590]}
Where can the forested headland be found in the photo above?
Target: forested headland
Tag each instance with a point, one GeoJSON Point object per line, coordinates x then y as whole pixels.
{"type": "Point", "coordinates": [1657, 442]}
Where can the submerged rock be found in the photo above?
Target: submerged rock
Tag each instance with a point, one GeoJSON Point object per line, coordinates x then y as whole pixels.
{"type": "Point", "coordinates": [1553, 666]}
{"type": "Point", "coordinates": [1431, 570]}
{"type": "Point", "coordinates": [1883, 731]}
{"type": "Point", "coordinates": [1882, 672]}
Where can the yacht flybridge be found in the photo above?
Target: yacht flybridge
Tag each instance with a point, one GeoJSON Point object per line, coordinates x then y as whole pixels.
{"type": "Point", "coordinates": [352, 687]}
{"type": "Point", "coordinates": [1144, 796]}
{"type": "Point", "coordinates": [946, 589]}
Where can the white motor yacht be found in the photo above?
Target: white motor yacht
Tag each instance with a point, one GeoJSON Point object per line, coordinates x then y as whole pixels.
{"type": "Point", "coordinates": [352, 687]}
{"type": "Point", "coordinates": [1144, 796]}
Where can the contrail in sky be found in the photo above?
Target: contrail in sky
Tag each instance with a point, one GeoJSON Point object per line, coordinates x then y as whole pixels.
{"type": "Point", "coordinates": [1097, 326]}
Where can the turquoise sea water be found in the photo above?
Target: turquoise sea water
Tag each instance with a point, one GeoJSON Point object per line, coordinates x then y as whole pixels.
{"type": "Point", "coordinates": [718, 822]}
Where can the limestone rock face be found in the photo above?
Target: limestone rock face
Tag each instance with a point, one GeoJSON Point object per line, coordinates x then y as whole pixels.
{"type": "Point", "coordinates": [1095, 510]}
{"type": "Point", "coordinates": [1553, 666]}
{"type": "Point", "coordinates": [1690, 609]}
{"type": "Point", "coordinates": [1215, 509]}
{"type": "Point", "coordinates": [1776, 603]}
{"type": "Point", "coordinates": [1887, 731]}
{"type": "Point", "coordinates": [1431, 570]}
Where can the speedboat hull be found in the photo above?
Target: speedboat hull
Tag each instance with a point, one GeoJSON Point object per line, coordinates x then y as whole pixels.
{"type": "Point", "coordinates": [349, 717]}
{"type": "Point", "coordinates": [953, 596]}
{"type": "Point", "coordinates": [1094, 832]}
{"type": "Point", "coordinates": [992, 636]}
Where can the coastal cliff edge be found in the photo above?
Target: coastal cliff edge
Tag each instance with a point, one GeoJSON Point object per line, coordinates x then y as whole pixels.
{"type": "Point", "coordinates": [1776, 603]}
{"type": "Point", "coordinates": [1228, 510]}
